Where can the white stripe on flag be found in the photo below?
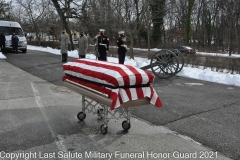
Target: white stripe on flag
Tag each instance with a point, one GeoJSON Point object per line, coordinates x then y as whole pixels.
{"type": "Point", "coordinates": [125, 68]}
{"type": "Point", "coordinates": [134, 94]}
{"type": "Point", "coordinates": [123, 95]}
{"type": "Point", "coordinates": [154, 98]}
{"type": "Point", "coordinates": [112, 73]}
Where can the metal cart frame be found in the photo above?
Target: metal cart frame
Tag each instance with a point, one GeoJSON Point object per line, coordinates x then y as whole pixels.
{"type": "Point", "coordinates": [97, 103]}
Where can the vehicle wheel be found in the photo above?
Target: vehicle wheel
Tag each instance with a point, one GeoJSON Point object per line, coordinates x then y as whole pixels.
{"type": "Point", "coordinates": [180, 59]}
{"type": "Point", "coordinates": [24, 51]}
{"type": "Point", "coordinates": [126, 126]}
{"type": "Point", "coordinates": [104, 129]}
{"type": "Point", "coordinates": [164, 63]}
{"type": "Point", "coordinates": [81, 116]}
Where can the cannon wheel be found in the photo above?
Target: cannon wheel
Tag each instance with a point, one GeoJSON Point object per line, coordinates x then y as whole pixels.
{"type": "Point", "coordinates": [180, 59]}
{"type": "Point", "coordinates": [164, 64]}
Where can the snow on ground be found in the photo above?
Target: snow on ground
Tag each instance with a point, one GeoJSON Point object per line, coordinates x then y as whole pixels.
{"type": "Point", "coordinates": [189, 72]}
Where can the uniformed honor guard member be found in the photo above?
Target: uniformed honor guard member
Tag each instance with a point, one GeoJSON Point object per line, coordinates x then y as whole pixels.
{"type": "Point", "coordinates": [122, 47]}
{"type": "Point", "coordinates": [82, 45]}
{"type": "Point", "coordinates": [95, 40]}
{"type": "Point", "coordinates": [64, 45]}
{"type": "Point", "coordinates": [103, 45]}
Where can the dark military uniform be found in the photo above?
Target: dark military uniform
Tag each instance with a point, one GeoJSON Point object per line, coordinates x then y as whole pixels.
{"type": "Point", "coordinates": [2, 42]}
{"type": "Point", "coordinates": [121, 50]}
{"type": "Point", "coordinates": [15, 41]}
{"type": "Point", "coordinates": [103, 46]}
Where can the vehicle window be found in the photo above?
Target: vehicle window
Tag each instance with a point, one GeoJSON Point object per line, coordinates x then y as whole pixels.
{"type": "Point", "coordinates": [10, 30]}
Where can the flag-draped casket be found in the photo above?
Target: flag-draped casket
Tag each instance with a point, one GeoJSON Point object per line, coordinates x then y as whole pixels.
{"type": "Point", "coordinates": [122, 83]}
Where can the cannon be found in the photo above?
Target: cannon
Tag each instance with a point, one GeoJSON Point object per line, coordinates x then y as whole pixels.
{"type": "Point", "coordinates": [166, 63]}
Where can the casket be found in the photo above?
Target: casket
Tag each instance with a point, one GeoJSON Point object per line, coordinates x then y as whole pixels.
{"type": "Point", "coordinates": [121, 83]}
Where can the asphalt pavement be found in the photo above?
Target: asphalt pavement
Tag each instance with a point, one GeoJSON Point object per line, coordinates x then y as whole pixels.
{"type": "Point", "coordinates": [38, 120]}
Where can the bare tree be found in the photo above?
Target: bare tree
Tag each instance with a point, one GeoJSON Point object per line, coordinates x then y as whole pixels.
{"type": "Point", "coordinates": [237, 25]}
{"type": "Point", "coordinates": [130, 16]}
{"type": "Point", "coordinates": [68, 9]}
{"type": "Point", "coordinates": [5, 8]}
{"type": "Point", "coordinates": [34, 12]}
{"type": "Point", "coordinates": [157, 8]}
{"type": "Point", "coordinates": [188, 24]}
{"type": "Point", "coordinates": [205, 24]}
{"type": "Point", "coordinates": [116, 15]}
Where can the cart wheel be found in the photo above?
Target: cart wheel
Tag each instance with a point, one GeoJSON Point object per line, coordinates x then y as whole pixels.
{"type": "Point", "coordinates": [104, 129]}
{"type": "Point", "coordinates": [126, 126]}
{"type": "Point", "coordinates": [180, 59]}
{"type": "Point", "coordinates": [81, 116]}
{"type": "Point", "coordinates": [164, 63]}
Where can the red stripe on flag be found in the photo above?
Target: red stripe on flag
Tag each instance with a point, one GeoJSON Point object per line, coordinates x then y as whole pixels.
{"type": "Point", "coordinates": [137, 74]}
{"type": "Point", "coordinates": [128, 93]}
{"type": "Point", "coordinates": [114, 97]}
{"type": "Point", "coordinates": [158, 102]}
{"type": "Point", "coordinates": [107, 65]}
{"type": "Point", "coordinates": [93, 74]}
{"type": "Point", "coordinates": [140, 93]}
{"type": "Point", "coordinates": [120, 70]}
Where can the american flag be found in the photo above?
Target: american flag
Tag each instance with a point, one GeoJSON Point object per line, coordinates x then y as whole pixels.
{"type": "Point", "coordinates": [122, 83]}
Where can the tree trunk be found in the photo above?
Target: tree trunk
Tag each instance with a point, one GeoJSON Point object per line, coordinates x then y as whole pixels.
{"type": "Point", "coordinates": [158, 12]}
{"type": "Point", "coordinates": [237, 27]}
{"type": "Point", "coordinates": [208, 28]}
{"type": "Point", "coordinates": [131, 45]}
{"type": "Point", "coordinates": [238, 33]}
{"type": "Point", "coordinates": [188, 26]}
{"type": "Point", "coordinates": [63, 17]}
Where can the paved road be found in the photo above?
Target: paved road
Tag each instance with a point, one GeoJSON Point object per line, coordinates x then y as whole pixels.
{"type": "Point", "coordinates": [207, 112]}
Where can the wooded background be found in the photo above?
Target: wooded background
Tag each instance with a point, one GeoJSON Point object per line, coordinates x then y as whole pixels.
{"type": "Point", "coordinates": [206, 25]}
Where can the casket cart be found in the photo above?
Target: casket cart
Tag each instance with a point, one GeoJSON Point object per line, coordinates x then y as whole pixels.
{"type": "Point", "coordinates": [109, 90]}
